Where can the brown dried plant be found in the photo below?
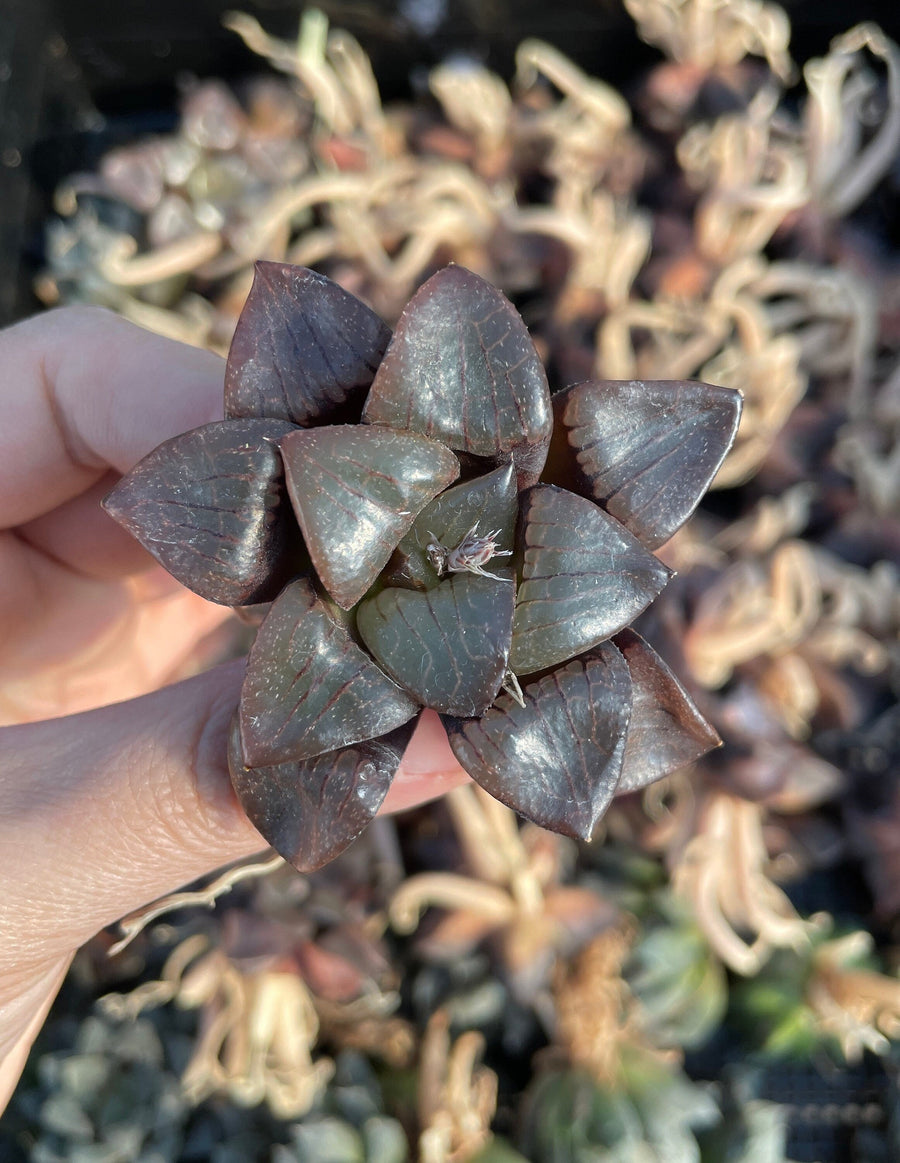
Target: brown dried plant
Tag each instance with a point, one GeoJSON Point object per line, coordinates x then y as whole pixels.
{"type": "Point", "coordinates": [856, 1005]}
{"type": "Point", "coordinates": [752, 179]}
{"type": "Point", "coordinates": [844, 167]}
{"type": "Point", "coordinates": [723, 874]}
{"type": "Point", "coordinates": [798, 614]}
{"type": "Point", "coordinates": [457, 1096]}
{"type": "Point", "coordinates": [514, 895]}
{"type": "Point", "coordinates": [598, 1019]}
{"type": "Point", "coordinates": [710, 35]}
{"type": "Point", "coordinates": [868, 445]}
{"type": "Point", "coordinates": [257, 1031]}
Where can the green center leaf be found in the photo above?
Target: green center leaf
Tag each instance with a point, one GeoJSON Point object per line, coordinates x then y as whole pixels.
{"type": "Point", "coordinates": [448, 646]}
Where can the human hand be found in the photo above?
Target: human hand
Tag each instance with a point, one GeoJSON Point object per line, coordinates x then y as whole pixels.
{"type": "Point", "coordinates": [112, 791]}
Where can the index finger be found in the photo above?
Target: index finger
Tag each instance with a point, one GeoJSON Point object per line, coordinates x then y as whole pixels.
{"type": "Point", "coordinates": [84, 391]}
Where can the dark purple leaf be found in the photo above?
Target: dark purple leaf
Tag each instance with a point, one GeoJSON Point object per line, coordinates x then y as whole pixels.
{"type": "Point", "coordinates": [309, 688]}
{"type": "Point", "coordinates": [666, 730]}
{"type": "Point", "coordinates": [648, 451]}
{"type": "Point", "coordinates": [489, 502]}
{"type": "Point", "coordinates": [557, 760]}
{"type": "Point", "coordinates": [462, 368]}
{"type": "Point", "coordinates": [448, 646]}
{"type": "Point", "coordinates": [310, 810]}
{"type": "Point", "coordinates": [210, 506]}
{"type": "Point", "coordinates": [584, 578]}
{"type": "Point", "coordinates": [356, 491]}
{"type": "Point", "coordinates": [303, 348]}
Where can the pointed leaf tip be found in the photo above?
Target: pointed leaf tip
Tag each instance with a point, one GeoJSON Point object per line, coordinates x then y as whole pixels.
{"type": "Point", "coordinates": [648, 451]}
{"type": "Point", "coordinates": [309, 688]}
{"type": "Point", "coordinates": [310, 810]}
{"type": "Point", "coordinates": [584, 578]}
{"type": "Point", "coordinates": [303, 348]}
{"type": "Point", "coordinates": [557, 760]}
{"type": "Point", "coordinates": [463, 369]}
{"type": "Point", "coordinates": [356, 491]}
{"type": "Point", "coordinates": [210, 506]}
{"type": "Point", "coordinates": [667, 731]}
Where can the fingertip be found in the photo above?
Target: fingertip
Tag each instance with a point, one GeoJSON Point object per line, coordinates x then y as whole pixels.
{"type": "Point", "coordinates": [89, 391]}
{"type": "Point", "coordinates": [429, 751]}
{"type": "Point", "coordinates": [429, 768]}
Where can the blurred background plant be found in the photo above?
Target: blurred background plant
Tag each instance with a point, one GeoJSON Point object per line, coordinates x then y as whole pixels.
{"type": "Point", "coordinates": [714, 978]}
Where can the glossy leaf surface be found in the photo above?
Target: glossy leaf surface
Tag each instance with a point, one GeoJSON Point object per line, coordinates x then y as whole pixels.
{"type": "Point", "coordinates": [448, 646]}
{"type": "Point", "coordinates": [491, 502]}
{"type": "Point", "coordinates": [584, 578]}
{"type": "Point", "coordinates": [649, 450]}
{"type": "Point", "coordinates": [311, 810]}
{"type": "Point", "coordinates": [557, 760]}
{"type": "Point", "coordinates": [303, 347]}
{"type": "Point", "coordinates": [356, 491]}
{"type": "Point", "coordinates": [462, 368]}
{"type": "Point", "coordinates": [666, 730]}
{"type": "Point", "coordinates": [210, 506]}
{"type": "Point", "coordinates": [309, 688]}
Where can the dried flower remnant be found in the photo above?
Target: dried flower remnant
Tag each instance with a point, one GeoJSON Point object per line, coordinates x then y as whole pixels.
{"type": "Point", "coordinates": [329, 695]}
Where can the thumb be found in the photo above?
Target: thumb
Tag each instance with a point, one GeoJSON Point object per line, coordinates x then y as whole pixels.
{"type": "Point", "coordinates": [102, 811]}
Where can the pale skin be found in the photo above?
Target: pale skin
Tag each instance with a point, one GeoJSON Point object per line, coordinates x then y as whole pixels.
{"type": "Point", "coordinates": [113, 783]}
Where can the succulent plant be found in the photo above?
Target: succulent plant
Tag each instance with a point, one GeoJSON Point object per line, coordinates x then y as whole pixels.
{"type": "Point", "coordinates": [110, 1098]}
{"type": "Point", "coordinates": [432, 530]}
{"type": "Point", "coordinates": [568, 1117]}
